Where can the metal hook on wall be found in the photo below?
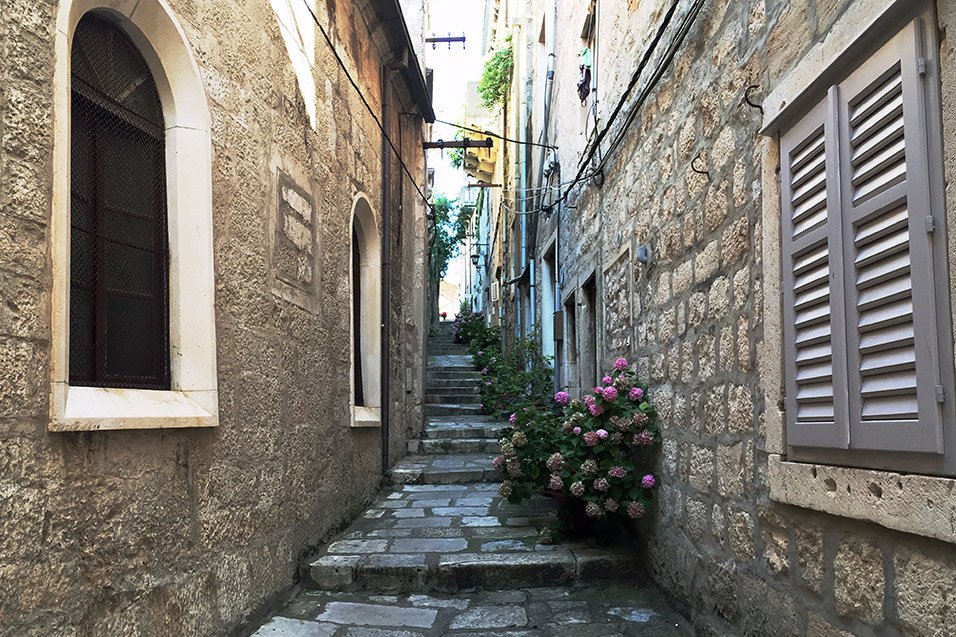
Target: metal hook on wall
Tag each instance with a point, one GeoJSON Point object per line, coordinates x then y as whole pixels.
{"type": "Point", "coordinates": [749, 101]}
{"type": "Point", "coordinates": [693, 165]}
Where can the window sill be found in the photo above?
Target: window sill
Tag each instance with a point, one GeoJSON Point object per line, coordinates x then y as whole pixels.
{"type": "Point", "coordinates": [106, 409]}
{"type": "Point", "coordinates": [922, 505]}
{"type": "Point", "coordinates": [366, 417]}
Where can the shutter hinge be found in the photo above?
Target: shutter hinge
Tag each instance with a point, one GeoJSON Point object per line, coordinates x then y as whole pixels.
{"type": "Point", "coordinates": [922, 66]}
{"type": "Point", "coordinates": [940, 394]}
{"type": "Point", "coordinates": [930, 224]}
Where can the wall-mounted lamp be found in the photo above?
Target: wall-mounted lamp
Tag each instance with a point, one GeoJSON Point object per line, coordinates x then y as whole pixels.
{"type": "Point", "coordinates": [475, 258]}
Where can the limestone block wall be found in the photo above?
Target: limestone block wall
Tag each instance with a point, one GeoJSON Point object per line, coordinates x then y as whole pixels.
{"type": "Point", "coordinates": [190, 532]}
{"type": "Point", "coordinates": [694, 326]}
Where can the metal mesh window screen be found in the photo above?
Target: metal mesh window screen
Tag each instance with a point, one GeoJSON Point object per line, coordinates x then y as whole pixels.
{"type": "Point", "coordinates": [119, 261]}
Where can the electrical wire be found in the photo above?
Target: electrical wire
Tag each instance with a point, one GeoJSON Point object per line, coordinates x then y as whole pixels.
{"type": "Point", "coordinates": [669, 56]}
{"type": "Point", "coordinates": [645, 60]}
{"type": "Point", "coordinates": [378, 122]}
{"type": "Point", "coordinates": [490, 134]}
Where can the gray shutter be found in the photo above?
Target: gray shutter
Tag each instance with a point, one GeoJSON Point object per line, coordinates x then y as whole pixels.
{"type": "Point", "coordinates": [893, 355]}
{"type": "Point", "coordinates": [814, 352]}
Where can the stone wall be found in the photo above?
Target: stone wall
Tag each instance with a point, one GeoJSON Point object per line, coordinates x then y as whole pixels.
{"type": "Point", "coordinates": [190, 532]}
{"type": "Point", "coordinates": [738, 562]}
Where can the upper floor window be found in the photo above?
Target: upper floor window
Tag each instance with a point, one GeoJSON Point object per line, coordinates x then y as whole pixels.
{"type": "Point", "coordinates": [868, 372]}
{"type": "Point", "coordinates": [119, 257]}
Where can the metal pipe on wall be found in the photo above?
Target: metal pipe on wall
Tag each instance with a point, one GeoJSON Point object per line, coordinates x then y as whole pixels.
{"type": "Point", "coordinates": [386, 81]}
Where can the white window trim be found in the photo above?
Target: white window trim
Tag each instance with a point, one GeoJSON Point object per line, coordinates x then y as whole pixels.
{"type": "Point", "coordinates": [193, 398]}
{"type": "Point", "coordinates": [917, 504]}
{"type": "Point", "coordinates": [370, 268]}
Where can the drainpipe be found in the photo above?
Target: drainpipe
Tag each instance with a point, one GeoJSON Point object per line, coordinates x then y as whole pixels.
{"type": "Point", "coordinates": [386, 81]}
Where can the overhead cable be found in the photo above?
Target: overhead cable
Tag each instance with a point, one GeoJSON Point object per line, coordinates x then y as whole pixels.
{"type": "Point", "coordinates": [378, 122]}
{"type": "Point", "coordinates": [645, 60]}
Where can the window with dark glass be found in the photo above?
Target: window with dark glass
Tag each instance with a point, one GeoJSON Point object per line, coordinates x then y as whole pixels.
{"type": "Point", "coordinates": [119, 256]}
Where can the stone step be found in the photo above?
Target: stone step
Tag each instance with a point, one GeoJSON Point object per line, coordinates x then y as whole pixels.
{"type": "Point", "coordinates": [437, 446]}
{"type": "Point", "coordinates": [451, 360]}
{"type": "Point", "coordinates": [621, 608]}
{"type": "Point", "coordinates": [449, 409]}
{"type": "Point", "coordinates": [451, 386]}
{"type": "Point", "coordinates": [450, 538]}
{"type": "Point", "coordinates": [444, 469]}
{"type": "Point", "coordinates": [443, 398]}
{"type": "Point", "coordinates": [488, 430]}
{"type": "Point", "coordinates": [453, 377]}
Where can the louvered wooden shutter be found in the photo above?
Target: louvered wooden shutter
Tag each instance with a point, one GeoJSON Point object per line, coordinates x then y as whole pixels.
{"type": "Point", "coordinates": [893, 352]}
{"type": "Point", "coordinates": [815, 355]}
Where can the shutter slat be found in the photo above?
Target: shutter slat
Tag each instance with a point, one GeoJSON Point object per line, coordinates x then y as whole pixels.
{"type": "Point", "coordinates": [819, 333]}
{"type": "Point", "coordinates": [877, 296]}
{"type": "Point", "coordinates": [887, 338]}
{"type": "Point", "coordinates": [877, 145]}
{"type": "Point", "coordinates": [875, 100]}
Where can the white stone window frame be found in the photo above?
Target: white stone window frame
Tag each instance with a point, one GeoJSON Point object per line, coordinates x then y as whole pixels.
{"type": "Point", "coordinates": [192, 400]}
{"type": "Point", "coordinates": [365, 221]}
{"type": "Point", "coordinates": [917, 504]}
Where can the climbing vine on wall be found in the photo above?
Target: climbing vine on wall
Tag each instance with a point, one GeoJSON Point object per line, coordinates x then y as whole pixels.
{"type": "Point", "coordinates": [496, 78]}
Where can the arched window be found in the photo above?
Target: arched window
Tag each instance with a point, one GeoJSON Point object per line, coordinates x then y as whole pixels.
{"type": "Point", "coordinates": [133, 342]}
{"type": "Point", "coordinates": [366, 310]}
{"type": "Point", "coordinates": [119, 265]}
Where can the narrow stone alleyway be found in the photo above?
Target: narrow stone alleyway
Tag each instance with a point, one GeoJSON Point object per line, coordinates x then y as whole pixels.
{"type": "Point", "coordinates": [440, 552]}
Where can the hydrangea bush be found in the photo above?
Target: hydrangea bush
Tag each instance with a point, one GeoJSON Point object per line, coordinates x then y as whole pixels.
{"type": "Point", "coordinates": [467, 324]}
{"type": "Point", "coordinates": [587, 453]}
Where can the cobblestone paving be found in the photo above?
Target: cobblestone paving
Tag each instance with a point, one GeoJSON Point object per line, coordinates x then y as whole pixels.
{"type": "Point", "coordinates": [585, 611]}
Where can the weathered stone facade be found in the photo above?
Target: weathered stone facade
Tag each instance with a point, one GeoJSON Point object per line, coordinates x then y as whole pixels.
{"type": "Point", "coordinates": [193, 531]}
{"type": "Point", "coordinates": [696, 181]}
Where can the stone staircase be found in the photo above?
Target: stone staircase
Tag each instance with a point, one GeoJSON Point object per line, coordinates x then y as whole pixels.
{"type": "Point", "coordinates": [439, 552]}
{"type": "Point", "coordinates": [442, 525]}
{"type": "Point", "coordinates": [458, 443]}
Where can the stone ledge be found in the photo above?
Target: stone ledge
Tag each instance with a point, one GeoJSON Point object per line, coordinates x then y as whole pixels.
{"type": "Point", "coordinates": [922, 505]}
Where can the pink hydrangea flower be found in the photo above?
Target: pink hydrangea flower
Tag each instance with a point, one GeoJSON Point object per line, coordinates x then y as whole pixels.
{"type": "Point", "coordinates": [589, 400]}
{"type": "Point", "coordinates": [602, 434]}
{"type": "Point", "coordinates": [598, 390]}
{"type": "Point", "coordinates": [607, 380]}
{"type": "Point", "coordinates": [601, 484]}
{"type": "Point", "coordinates": [591, 438]}
{"type": "Point", "coordinates": [514, 468]}
{"type": "Point", "coordinates": [635, 394]}
{"type": "Point", "coordinates": [577, 489]}
{"type": "Point", "coordinates": [648, 481]}
{"type": "Point", "coordinates": [646, 438]}
{"type": "Point", "coordinates": [484, 371]}
{"type": "Point", "coordinates": [610, 394]}
{"type": "Point", "coordinates": [610, 505]}
{"type": "Point", "coordinates": [562, 398]}
{"type": "Point", "coordinates": [498, 463]}
{"type": "Point", "coordinates": [481, 352]}
{"type": "Point", "coordinates": [641, 419]}
{"type": "Point", "coordinates": [635, 510]}
{"type": "Point", "coordinates": [617, 472]}
{"type": "Point", "coordinates": [512, 418]}
{"type": "Point", "coordinates": [577, 431]}
{"type": "Point", "coordinates": [556, 483]}
{"type": "Point", "coordinates": [555, 462]}
{"type": "Point", "coordinates": [593, 509]}
{"type": "Point", "coordinates": [620, 364]}
{"type": "Point", "coordinates": [596, 410]}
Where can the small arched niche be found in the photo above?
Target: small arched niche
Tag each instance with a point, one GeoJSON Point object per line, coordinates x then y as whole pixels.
{"type": "Point", "coordinates": [365, 276]}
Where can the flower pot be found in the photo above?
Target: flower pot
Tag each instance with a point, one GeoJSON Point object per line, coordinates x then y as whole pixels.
{"type": "Point", "coordinates": [571, 512]}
